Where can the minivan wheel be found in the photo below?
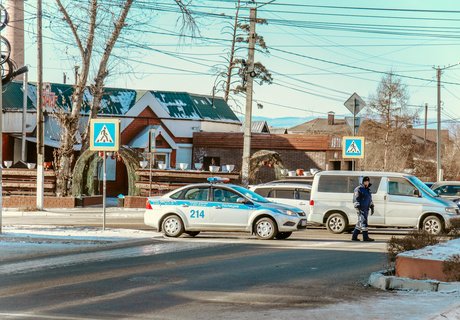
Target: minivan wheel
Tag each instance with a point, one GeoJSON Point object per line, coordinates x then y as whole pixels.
{"type": "Point", "coordinates": [265, 229]}
{"type": "Point", "coordinates": [336, 223]}
{"type": "Point", "coordinates": [433, 225]}
{"type": "Point", "coordinates": [172, 226]}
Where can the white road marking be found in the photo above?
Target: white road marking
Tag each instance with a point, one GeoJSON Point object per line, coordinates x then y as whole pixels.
{"type": "Point", "coordinates": [7, 315]}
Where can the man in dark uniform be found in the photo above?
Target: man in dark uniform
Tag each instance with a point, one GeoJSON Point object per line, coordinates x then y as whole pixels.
{"type": "Point", "coordinates": [362, 200]}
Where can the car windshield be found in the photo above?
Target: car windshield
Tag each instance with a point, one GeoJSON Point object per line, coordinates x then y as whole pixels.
{"type": "Point", "coordinates": [250, 194]}
{"type": "Point", "coordinates": [419, 184]}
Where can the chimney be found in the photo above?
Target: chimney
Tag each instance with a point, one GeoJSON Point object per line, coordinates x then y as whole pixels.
{"type": "Point", "coordinates": [15, 30]}
{"type": "Point", "coordinates": [330, 118]}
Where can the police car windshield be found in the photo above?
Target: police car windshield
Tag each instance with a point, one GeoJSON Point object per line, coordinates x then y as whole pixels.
{"type": "Point", "coordinates": [419, 184]}
{"type": "Point", "coordinates": [250, 194]}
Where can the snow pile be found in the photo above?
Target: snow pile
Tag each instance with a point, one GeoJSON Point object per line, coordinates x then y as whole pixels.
{"type": "Point", "coordinates": [439, 252]}
{"type": "Point", "coordinates": [17, 242]}
{"type": "Point", "coordinates": [71, 233]}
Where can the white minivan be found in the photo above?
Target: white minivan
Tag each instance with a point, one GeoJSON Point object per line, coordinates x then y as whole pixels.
{"type": "Point", "coordinates": [401, 200]}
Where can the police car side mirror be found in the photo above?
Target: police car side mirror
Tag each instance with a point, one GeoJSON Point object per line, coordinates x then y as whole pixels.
{"type": "Point", "coordinates": [416, 193]}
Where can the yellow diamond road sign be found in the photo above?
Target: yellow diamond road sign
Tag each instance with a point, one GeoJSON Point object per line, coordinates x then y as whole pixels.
{"type": "Point", "coordinates": [105, 134]}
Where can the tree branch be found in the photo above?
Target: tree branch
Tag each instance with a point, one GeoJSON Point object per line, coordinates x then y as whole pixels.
{"type": "Point", "coordinates": [72, 26]}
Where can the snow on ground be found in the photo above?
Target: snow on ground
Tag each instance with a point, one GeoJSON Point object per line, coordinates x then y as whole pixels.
{"type": "Point", "coordinates": [440, 252]}
{"type": "Point", "coordinates": [388, 305]}
{"type": "Point", "coordinates": [73, 233]}
{"type": "Point", "coordinates": [28, 241]}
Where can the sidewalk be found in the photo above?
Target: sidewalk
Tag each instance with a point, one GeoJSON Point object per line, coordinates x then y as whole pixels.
{"type": "Point", "coordinates": [113, 211]}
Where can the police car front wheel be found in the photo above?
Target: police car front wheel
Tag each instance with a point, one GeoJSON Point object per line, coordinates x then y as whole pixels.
{"type": "Point", "coordinates": [172, 226]}
{"type": "Point", "coordinates": [265, 229]}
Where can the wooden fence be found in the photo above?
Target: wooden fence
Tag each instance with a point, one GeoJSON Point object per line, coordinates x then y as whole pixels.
{"type": "Point", "coordinates": [24, 182]}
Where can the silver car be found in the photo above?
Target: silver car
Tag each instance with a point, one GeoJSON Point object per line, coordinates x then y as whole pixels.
{"type": "Point", "coordinates": [216, 206]}
{"type": "Point", "coordinates": [448, 190]}
{"type": "Point", "coordinates": [292, 194]}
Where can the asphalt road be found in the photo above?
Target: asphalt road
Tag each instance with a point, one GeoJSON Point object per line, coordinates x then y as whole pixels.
{"type": "Point", "coordinates": [312, 275]}
{"type": "Point", "coordinates": [209, 281]}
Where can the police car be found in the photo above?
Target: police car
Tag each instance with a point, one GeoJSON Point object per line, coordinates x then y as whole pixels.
{"type": "Point", "coordinates": [216, 206]}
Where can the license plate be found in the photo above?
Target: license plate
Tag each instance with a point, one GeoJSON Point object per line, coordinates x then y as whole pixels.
{"type": "Point", "coordinates": [303, 223]}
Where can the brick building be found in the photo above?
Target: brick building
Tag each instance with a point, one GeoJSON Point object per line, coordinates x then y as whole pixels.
{"type": "Point", "coordinates": [174, 115]}
{"type": "Point", "coordinates": [297, 151]}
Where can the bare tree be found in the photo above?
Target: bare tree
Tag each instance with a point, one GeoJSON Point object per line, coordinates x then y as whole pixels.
{"type": "Point", "coordinates": [96, 28]}
{"type": "Point", "coordinates": [239, 33]}
{"type": "Point", "coordinates": [69, 121]}
{"type": "Point", "coordinates": [451, 155]}
{"type": "Point", "coordinates": [392, 122]}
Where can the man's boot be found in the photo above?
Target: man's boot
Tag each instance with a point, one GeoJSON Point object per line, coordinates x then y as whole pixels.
{"type": "Point", "coordinates": [355, 235]}
{"type": "Point", "coordinates": [366, 237]}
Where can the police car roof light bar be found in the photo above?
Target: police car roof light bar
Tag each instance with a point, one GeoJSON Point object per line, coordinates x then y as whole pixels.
{"type": "Point", "coordinates": [218, 180]}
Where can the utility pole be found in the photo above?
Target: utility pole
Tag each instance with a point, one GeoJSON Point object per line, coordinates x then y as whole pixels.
{"type": "Point", "coordinates": [249, 89]}
{"type": "Point", "coordinates": [24, 118]}
{"type": "Point", "coordinates": [40, 122]}
{"type": "Point", "coordinates": [426, 123]}
{"type": "Point", "coordinates": [439, 172]}
{"type": "Point", "coordinates": [438, 129]}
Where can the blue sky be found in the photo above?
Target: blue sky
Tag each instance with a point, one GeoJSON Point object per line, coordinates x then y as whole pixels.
{"type": "Point", "coordinates": [320, 52]}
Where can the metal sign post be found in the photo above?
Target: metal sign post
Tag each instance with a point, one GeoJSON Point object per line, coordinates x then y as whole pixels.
{"type": "Point", "coordinates": [104, 136]}
{"type": "Point", "coordinates": [104, 186]}
{"type": "Point", "coordinates": [355, 104]}
{"type": "Point", "coordinates": [150, 174]}
{"type": "Point", "coordinates": [152, 148]}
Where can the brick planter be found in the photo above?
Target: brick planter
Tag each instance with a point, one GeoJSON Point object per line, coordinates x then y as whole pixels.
{"type": "Point", "coordinates": [134, 202]}
{"type": "Point", "coordinates": [428, 262]}
{"type": "Point", "coordinates": [89, 201]}
{"type": "Point", "coordinates": [30, 202]}
{"type": "Point", "coordinates": [421, 269]}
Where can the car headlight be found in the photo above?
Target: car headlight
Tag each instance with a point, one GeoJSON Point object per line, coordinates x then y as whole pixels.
{"type": "Point", "coordinates": [287, 212]}
{"type": "Point", "coordinates": [452, 210]}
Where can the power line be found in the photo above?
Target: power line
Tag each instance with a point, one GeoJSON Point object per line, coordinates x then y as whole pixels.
{"type": "Point", "coordinates": [354, 67]}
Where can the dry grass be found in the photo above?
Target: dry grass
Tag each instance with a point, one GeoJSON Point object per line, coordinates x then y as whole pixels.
{"type": "Point", "coordinates": [416, 239]}
{"type": "Point", "coordinates": [451, 268]}
{"type": "Point", "coordinates": [454, 231]}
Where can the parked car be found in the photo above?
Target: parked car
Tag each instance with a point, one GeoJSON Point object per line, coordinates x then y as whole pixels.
{"type": "Point", "coordinates": [448, 189]}
{"type": "Point", "coordinates": [298, 180]}
{"type": "Point", "coordinates": [216, 206]}
{"type": "Point", "coordinates": [429, 184]}
{"type": "Point", "coordinates": [293, 193]}
{"type": "Point", "coordinates": [401, 200]}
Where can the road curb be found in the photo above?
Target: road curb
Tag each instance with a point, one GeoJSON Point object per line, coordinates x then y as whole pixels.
{"type": "Point", "coordinates": [381, 280]}
{"type": "Point", "coordinates": [95, 248]}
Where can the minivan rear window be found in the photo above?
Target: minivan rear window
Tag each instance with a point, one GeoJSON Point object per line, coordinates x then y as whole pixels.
{"type": "Point", "coordinates": [337, 184]}
{"type": "Point", "coordinates": [283, 193]}
{"type": "Point", "coordinates": [344, 184]}
{"type": "Point", "coordinates": [264, 192]}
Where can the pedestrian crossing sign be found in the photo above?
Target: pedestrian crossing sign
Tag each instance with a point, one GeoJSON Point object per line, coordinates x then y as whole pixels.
{"type": "Point", "coordinates": [353, 147]}
{"type": "Point", "coordinates": [104, 134]}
